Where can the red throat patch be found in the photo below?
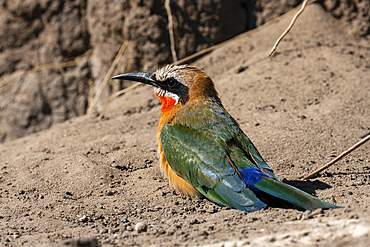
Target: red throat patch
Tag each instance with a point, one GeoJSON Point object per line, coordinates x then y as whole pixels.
{"type": "Point", "coordinates": [167, 102]}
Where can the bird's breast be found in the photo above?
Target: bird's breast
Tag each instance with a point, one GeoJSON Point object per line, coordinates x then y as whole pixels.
{"type": "Point", "coordinates": [167, 117]}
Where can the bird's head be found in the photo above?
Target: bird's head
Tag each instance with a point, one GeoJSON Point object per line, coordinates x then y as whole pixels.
{"type": "Point", "coordinates": [176, 84]}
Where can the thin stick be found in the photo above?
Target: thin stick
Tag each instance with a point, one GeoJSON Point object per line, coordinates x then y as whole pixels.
{"type": "Point", "coordinates": [107, 77]}
{"type": "Point", "coordinates": [114, 96]}
{"type": "Point", "coordinates": [313, 174]}
{"type": "Point", "coordinates": [290, 25]}
{"type": "Point", "coordinates": [170, 29]}
{"type": "Point", "coordinates": [46, 66]}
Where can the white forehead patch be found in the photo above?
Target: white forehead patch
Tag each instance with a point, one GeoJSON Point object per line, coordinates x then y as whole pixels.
{"type": "Point", "coordinates": [170, 71]}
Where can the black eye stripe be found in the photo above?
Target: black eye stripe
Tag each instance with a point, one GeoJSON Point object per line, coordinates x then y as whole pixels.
{"type": "Point", "coordinates": [171, 82]}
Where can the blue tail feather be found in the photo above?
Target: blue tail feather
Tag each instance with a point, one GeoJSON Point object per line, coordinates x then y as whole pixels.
{"type": "Point", "coordinates": [256, 180]}
{"type": "Point", "coordinates": [251, 176]}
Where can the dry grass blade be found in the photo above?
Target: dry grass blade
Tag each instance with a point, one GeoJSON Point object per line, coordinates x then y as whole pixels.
{"type": "Point", "coordinates": [170, 29]}
{"type": "Point", "coordinates": [107, 77]}
{"type": "Point", "coordinates": [315, 173]}
{"type": "Point", "coordinates": [74, 62]}
{"type": "Point", "coordinates": [305, 2]}
{"type": "Point", "coordinates": [114, 96]}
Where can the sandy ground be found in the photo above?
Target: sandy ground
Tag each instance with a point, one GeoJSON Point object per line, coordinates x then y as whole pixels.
{"type": "Point", "coordinates": [91, 182]}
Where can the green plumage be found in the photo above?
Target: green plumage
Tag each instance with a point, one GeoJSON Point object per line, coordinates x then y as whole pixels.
{"type": "Point", "coordinates": [207, 148]}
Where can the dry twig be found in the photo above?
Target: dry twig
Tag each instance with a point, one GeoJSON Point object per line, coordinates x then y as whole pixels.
{"type": "Point", "coordinates": [315, 173]}
{"type": "Point", "coordinates": [305, 2]}
{"type": "Point", "coordinates": [240, 36]}
{"type": "Point", "coordinates": [170, 29]}
{"type": "Point", "coordinates": [74, 62]}
{"type": "Point", "coordinates": [107, 77]}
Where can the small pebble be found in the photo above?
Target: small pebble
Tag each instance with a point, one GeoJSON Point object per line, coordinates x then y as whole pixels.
{"type": "Point", "coordinates": [212, 210]}
{"type": "Point", "coordinates": [141, 227]}
{"type": "Point", "coordinates": [83, 218]}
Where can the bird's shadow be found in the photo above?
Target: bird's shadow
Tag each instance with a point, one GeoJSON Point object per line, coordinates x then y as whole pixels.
{"type": "Point", "coordinates": [308, 186]}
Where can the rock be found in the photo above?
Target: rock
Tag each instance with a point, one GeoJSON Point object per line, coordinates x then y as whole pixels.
{"type": "Point", "coordinates": [37, 100]}
{"type": "Point", "coordinates": [83, 219]}
{"type": "Point", "coordinates": [34, 33]}
{"type": "Point", "coordinates": [141, 227]}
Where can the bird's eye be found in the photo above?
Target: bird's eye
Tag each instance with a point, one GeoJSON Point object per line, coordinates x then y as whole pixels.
{"type": "Point", "coordinates": [171, 82]}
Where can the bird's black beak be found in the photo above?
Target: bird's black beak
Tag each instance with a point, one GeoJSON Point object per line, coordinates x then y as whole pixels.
{"type": "Point", "coordinates": [142, 77]}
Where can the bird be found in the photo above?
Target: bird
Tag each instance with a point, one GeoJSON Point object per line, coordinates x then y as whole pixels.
{"type": "Point", "coordinates": [203, 151]}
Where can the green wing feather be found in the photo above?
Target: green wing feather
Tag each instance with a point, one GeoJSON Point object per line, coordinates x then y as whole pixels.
{"type": "Point", "coordinates": [250, 150]}
{"type": "Point", "coordinates": [212, 118]}
{"type": "Point", "coordinates": [202, 161]}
